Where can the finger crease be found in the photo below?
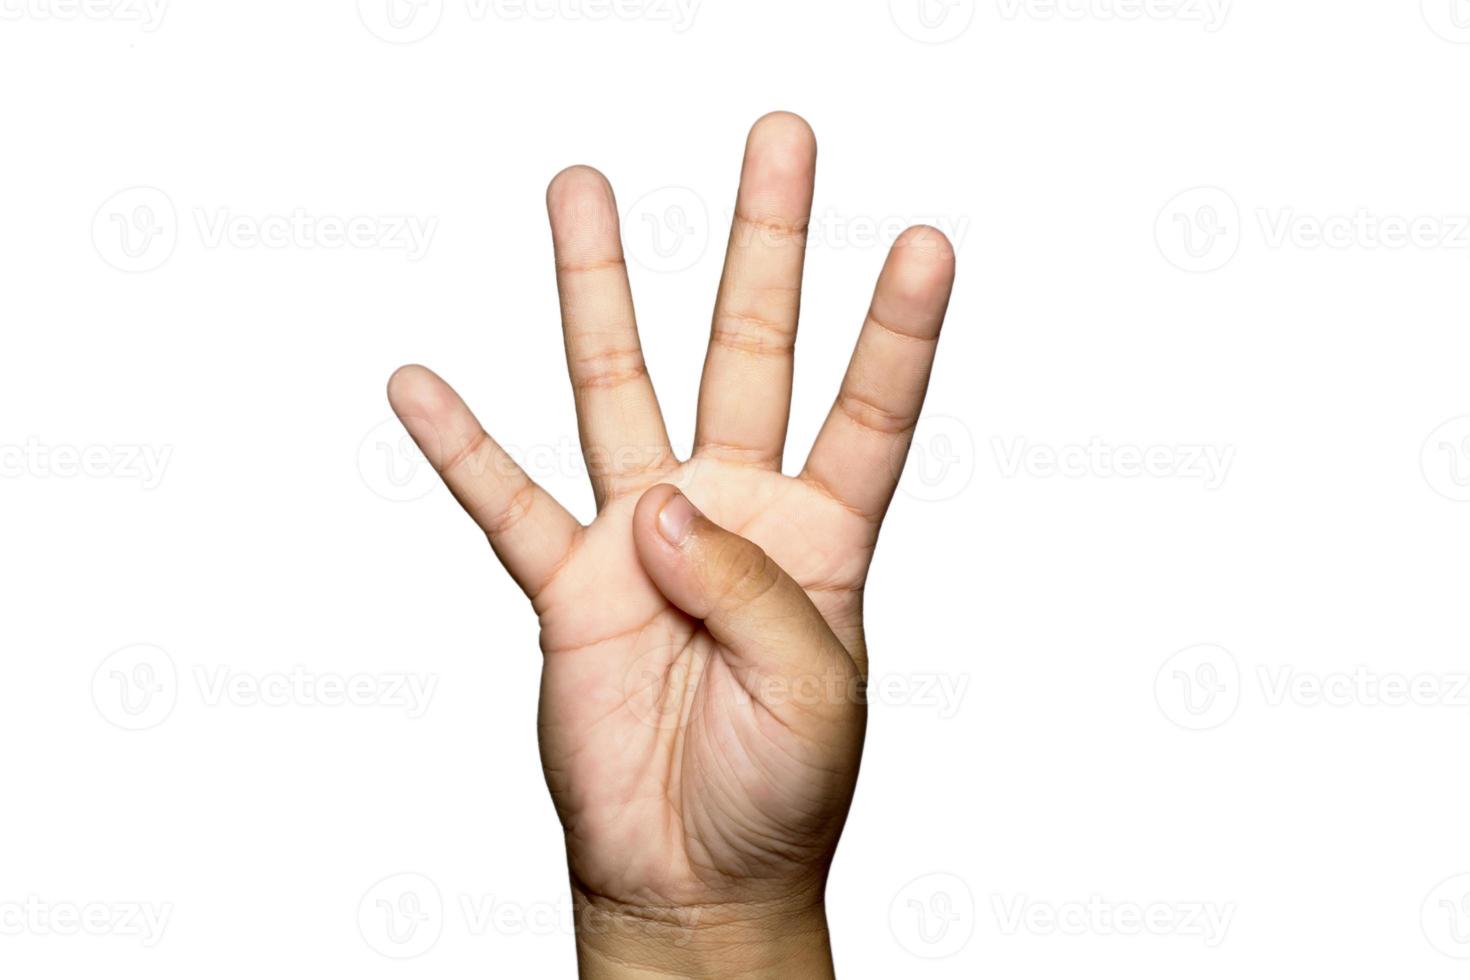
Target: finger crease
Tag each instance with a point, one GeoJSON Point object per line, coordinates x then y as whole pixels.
{"type": "Point", "coordinates": [767, 336]}
{"type": "Point", "coordinates": [515, 510]}
{"type": "Point", "coordinates": [625, 483]}
{"type": "Point", "coordinates": [470, 448]}
{"type": "Point", "coordinates": [773, 225]}
{"type": "Point", "coordinates": [610, 377]}
{"type": "Point", "coordinates": [873, 417]}
{"type": "Point", "coordinates": [739, 455]}
{"type": "Point", "coordinates": [551, 576]}
{"type": "Point", "coordinates": [900, 334]}
{"type": "Point", "coordinates": [820, 486]}
{"type": "Point", "coordinates": [597, 265]}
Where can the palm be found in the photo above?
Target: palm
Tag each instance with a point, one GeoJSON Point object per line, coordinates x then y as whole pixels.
{"type": "Point", "coordinates": [689, 759]}
{"type": "Point", "coordinates": [637, 700]}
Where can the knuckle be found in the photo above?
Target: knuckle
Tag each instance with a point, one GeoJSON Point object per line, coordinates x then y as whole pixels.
{"type": "Point", "coordinates": [742, 572]}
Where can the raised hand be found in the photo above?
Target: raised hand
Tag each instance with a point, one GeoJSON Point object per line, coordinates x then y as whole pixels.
{"type": "Point", "coordinates": [701, 715]}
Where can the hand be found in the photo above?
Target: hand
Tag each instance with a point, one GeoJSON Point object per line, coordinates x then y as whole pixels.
{"type": "Point", "coordinates": [701, 715]}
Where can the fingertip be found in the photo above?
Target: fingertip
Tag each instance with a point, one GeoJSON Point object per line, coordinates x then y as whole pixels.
{"type": "Point", "coordinates": [645, 514]}
{"type": "Point", "coordinates": [584, 217]}
{"type": "Point", "coordinates": [577, 183]}
{"type": "Point", "coordinates": [426, 406]}
{"type": "Point", "coordinates": [783, 145]}
{"type": "Point", "coordinates": [782, 126]}
{"type": "Point", "coordinates": [920, 268]}
{"type": "Point", "coordinates": [406, 381]}
{"type": "Point", "coordinates": [927, 245]}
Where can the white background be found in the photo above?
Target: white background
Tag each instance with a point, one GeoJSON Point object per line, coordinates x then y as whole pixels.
{"type": "Point", "coordinates": [1079, 768]}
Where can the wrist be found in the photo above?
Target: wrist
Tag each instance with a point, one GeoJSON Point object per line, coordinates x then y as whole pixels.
{"type": "Point", "coordinates": [747, 941]}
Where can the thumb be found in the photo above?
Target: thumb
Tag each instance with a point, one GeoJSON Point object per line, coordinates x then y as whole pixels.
{"type": "Point", "coordinates": [748, 603]}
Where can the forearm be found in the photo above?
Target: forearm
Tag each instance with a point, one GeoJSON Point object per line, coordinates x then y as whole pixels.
{"type": "Point", "coordinates": [753, 944]}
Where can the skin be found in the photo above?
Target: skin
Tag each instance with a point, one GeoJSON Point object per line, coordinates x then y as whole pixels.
{"type": "Point", "coordinates": [701, 716]}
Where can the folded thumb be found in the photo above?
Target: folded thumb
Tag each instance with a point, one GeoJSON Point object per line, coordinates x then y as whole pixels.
{"type": "Point", "coordinates": [748, 603]}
